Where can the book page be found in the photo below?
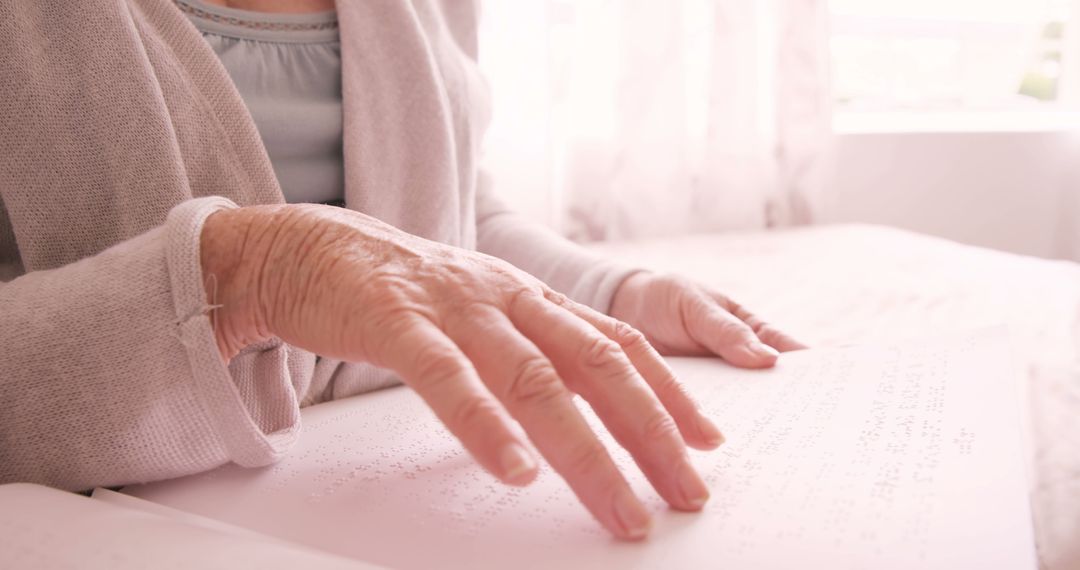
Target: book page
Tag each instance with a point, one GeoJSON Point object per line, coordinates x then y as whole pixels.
{"type": "Point", "coordinates": [45, 529]}
{"type": "Point", "coordinates": [896, 457]}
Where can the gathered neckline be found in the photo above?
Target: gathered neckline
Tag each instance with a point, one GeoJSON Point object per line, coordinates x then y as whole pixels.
{"type": "Point", "coordinates": [310, 27]}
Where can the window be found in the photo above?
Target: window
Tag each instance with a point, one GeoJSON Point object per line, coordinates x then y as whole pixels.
{"type": "Point", "coordinates": [949, 55]}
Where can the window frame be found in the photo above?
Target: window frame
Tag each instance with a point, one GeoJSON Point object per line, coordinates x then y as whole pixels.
{"type": "Point", "coordinates": [1061, 114]}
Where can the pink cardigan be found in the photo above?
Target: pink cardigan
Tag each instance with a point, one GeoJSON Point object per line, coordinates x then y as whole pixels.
{"type": "Point", "coordinates": [120, 133]}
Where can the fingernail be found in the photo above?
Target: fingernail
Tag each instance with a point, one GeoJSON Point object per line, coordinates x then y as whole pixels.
{"type": "Point", "coordinates": [764, 350]}
{"type": "Point", "coordinates": [515, 462]}
{"type": "Point", "coordinates": [693, 489]}
{"type": "Point", "coordinates": [710, 434]}
{"type": "Point", "coordinates": [631, 514]}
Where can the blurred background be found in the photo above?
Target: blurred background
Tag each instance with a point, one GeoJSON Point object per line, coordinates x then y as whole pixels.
{"type": "Point", "coordinates": [633, 119]}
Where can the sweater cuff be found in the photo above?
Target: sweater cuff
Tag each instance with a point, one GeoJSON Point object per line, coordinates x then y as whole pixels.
{"type": "Point", "coordinates": [256, 426]}
{"type": "Point", "coordinates": [597, 286]}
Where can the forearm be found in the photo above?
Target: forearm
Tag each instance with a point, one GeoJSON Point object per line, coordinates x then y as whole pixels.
{"type": "Point", "coordinates": [111, 374]}
{"type": "Point", "coordinates": [563, 265]}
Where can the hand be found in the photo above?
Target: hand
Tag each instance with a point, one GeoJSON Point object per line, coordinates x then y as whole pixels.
{"type": "Point", "coordinates": [681, 318]}
{"type": "Point", "coordinates": [483, 344]}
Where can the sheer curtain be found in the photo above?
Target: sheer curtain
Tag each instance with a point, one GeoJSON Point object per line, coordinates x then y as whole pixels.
{"type": "Point", "coordinates": [625, 119]}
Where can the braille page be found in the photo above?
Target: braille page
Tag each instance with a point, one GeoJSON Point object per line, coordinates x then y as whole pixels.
{"type": "Point", "coordinates": [45, 529]}
{"type": "Point", "coordinates": [896, 457]}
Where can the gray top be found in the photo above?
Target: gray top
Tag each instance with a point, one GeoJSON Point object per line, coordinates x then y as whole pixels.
{"type": "Point", "coordinates": [287, 68]}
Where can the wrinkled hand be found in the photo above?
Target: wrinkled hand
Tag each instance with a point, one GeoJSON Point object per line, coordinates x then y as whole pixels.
{"type": "Point", "coordinates": [486, 346]}
{"type": "Point", "coordinates": [681, 318]}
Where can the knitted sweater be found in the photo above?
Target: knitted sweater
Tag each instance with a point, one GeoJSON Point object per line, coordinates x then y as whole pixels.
{"type": "Point", "coordinates": [120, 132]}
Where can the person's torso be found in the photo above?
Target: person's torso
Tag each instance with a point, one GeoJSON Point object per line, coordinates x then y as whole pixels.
{"type": "Point", "coordinates": [287, 69]}
{"type": "Point", "coordinates": [130, 112]}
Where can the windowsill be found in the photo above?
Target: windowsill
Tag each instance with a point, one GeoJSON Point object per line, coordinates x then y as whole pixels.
{"type": "Point", "coordinates": [1029, 121]}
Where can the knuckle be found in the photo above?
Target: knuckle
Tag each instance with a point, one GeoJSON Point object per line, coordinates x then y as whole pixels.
{"type": "Point", "coordinates": [535, 381]}
{"type": "Point", "coordinates": [394, 321]}
{"type": "Point", "coordinates": [678, 391]}
{"type": "Point", "coordinates": [523, 296]}
{"type": "Point", "coordinates": [473, 412]}
{"type": "Point", "coordinates": [659, 426]}
{"type": "Point", "coordinates": [385, 287]}
{"type": "Point", "coordinates": [734, 328]}
{"type": "Point", "coordinates": [744, 315]}
{"type": "Point", "coordinates": [629, 338]}
{"type": "Point", "coordinates": [764, 329]}
{"type": "Point", "coordinates": [667, 384]}
{"type": "Point", "coordinates": [761, 328]}
{"type": "Point", "coordinates": [556, 298]}
{"type": "Point", "coordinates": [600, 352]}
{"type": "Point", "coordinates": [751, 320]}
{"type": "Point", "coordinates": [392, 324]}
{"type": "Point", "coordinates": [436, 366]}
{"type": "Point", "coordinates": [471, 318]}
{"type": "Point", "coordinates": [586, 458]}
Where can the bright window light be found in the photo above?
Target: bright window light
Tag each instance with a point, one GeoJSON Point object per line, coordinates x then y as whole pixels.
{"type": "Point", "coordinates": [949, 55]}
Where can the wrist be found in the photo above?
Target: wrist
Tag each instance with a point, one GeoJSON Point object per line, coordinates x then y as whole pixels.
{"type": "Point", "coordinates": [228, 252]}
{"type": "Point", "coordinates": [626, 302]}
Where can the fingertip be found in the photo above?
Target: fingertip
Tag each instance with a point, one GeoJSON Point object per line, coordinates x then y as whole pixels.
{"type": "Point", "coordinates": [709, 436]}
{"type": "Point", "coordinates": [765, 352]}
{"type": "Point", "coordinates": [632, 520]}
{"type": "Point", "coordinates": [705, 445]}
{"type": "Point", "coordinates": [521, 479]}
{"type": "Point", "coordinates": [793, 345]}
{"type": "Point", "coordinates": [752, 355]}
{"type": "Point", "coordinates": [692, 488]}
{"type": "Point", "coordinates": [517, 465]}
{"type": "Point", "coordinates": [780, 341]}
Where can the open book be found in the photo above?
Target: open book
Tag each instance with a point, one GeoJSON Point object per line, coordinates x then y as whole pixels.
{"type": "Point", "coordinates": [890, 457]}
{"type": "Point", "coordinates": [47, 529]}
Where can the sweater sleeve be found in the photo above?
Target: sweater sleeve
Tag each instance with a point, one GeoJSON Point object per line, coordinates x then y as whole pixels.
{"type": "Point", "coordinates": [565, 266]}
{"type": "Point", "coordinates": [532, 247]}
{"type": "Point", "coordinates": [111, 375]}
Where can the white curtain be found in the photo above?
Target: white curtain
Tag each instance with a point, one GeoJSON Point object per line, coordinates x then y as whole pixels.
{"type": "Point", "coordinates": [625, 119]}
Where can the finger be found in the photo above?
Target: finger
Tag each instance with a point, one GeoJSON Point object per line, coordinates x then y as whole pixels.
{"type": "Point", "coordinates": [433, 366]}
{"type": "Point", "coordinates": [768, 334]}
{"type": "Point", "coordinates": [696, 428]}
{"type": "Point", "coordinates": [595, 366]}
{"type": "Point", "coordinates": [525, 381]}
{"type": "Point", "coordinates": [723, 333]}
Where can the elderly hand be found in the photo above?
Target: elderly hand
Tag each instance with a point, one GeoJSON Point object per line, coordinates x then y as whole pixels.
{"type": "Point", "coordinates": [486, 346]}
{"type": "Point", "coordinates": [681, 318]}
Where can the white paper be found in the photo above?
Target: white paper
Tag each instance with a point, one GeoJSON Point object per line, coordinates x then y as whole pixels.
{"type": "Point", "coordinates": [901, 457]}
{"type": "Point", "coordinates": [45, 529]}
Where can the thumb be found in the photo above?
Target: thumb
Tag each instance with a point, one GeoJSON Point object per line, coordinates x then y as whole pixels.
{"type": "Point", "coordinates": [724, 334]}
